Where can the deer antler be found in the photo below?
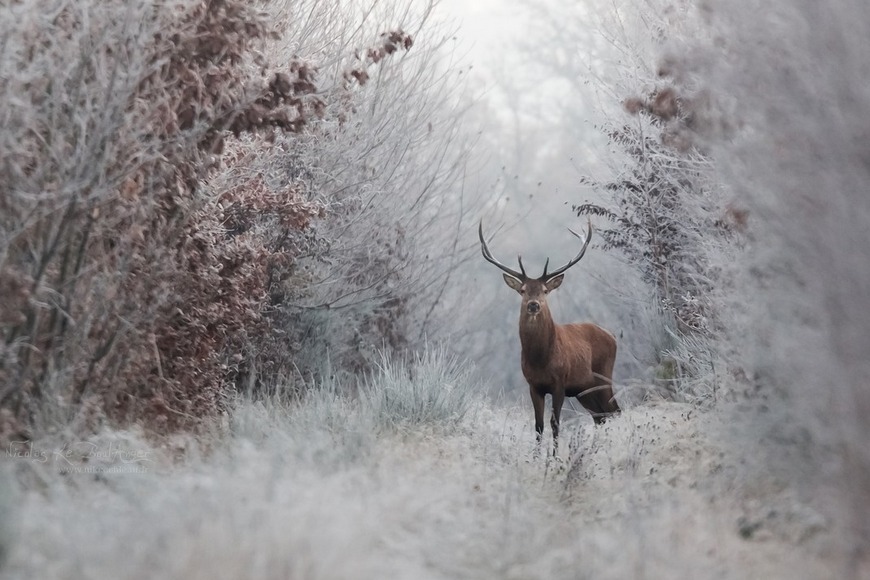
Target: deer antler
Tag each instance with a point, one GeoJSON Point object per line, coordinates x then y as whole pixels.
{"type": "Point", "coordinates": [487, 255]}
{"type": "Point", "coordinates": [545, 276]}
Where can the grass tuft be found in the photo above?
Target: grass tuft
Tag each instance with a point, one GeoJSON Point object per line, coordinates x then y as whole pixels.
{"type": "Point", "coordinates": [429, 389]}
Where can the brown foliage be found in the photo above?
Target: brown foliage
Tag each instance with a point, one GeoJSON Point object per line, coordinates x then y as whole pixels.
{"type": "Point", "coordinates": [390, 42]}
{"type": "Point", "coordinates": [132, 294]}
{"type": "Point", "coordinates": [683, 115]}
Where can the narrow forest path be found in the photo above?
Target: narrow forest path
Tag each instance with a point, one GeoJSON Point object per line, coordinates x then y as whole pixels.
{"type": "Point", "coordinates": [655, 493]}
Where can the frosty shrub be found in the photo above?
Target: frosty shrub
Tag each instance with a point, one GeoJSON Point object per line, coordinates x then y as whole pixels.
{"type": "Point", "coordinates": [668, 214]}
{"type": "Point", "coordinates": [336, 419]}
{"type": "Point", "coordinates": [323, 423]}
{"type": "Point", "coordinates": [430, 388]}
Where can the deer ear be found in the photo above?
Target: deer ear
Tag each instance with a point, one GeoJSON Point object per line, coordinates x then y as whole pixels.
{"type": "Point", "coordinates": [513, 283]}
{"type": "Point", "coordinates": [555, 282]}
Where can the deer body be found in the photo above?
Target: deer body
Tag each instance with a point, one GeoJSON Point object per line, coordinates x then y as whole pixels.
{"type": "Point", "coordinates": [560, 360]}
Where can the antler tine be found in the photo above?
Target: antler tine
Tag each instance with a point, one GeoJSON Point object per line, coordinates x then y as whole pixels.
{"type": "Point", "coordinates": [487, 255]}
{"type": "Point", "coordinates": [576, 259]}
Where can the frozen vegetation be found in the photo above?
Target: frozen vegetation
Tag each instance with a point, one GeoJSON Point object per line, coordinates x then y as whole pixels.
{"type": "Point", "coordinates": [417, 477]}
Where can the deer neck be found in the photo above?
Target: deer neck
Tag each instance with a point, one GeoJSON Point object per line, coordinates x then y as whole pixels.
{"type": "Point", "coordinates": [537, 336]}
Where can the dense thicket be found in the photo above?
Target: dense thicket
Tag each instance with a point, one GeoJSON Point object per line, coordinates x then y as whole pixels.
{"type": "Point", "coordinates": [168, 212]}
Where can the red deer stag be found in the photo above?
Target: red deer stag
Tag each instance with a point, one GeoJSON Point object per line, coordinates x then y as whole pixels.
{"type": "Point", "coordinates": [574, 360]}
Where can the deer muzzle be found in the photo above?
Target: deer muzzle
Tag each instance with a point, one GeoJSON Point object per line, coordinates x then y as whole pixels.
{"type": "Point", "coordinates": [533, 307]}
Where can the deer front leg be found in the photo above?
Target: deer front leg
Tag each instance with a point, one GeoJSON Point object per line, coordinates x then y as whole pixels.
{"type": "Point", "coordinates": [558, 400]}
{"type": "Point", "coordinates": [538, 403]}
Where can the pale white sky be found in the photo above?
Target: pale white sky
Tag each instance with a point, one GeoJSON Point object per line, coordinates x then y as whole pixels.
{"type": "Point", "coordinates": [487, 25]}
{"type": "Point", "coordinates": [487, 35]}
{"type": "Point", "coordinates": [528, 132]}
{"type": "Point", "coordinates": [494, 36]}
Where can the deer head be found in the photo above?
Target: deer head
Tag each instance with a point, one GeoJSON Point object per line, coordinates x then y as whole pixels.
{"type": "Point", "coordinates": [534, 290]}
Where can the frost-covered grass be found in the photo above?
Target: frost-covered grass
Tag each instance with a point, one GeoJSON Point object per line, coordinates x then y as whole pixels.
{"type": "Point", "coordinates": [415, 477]}
{"type": "Point", "coordinates": [431, 389]}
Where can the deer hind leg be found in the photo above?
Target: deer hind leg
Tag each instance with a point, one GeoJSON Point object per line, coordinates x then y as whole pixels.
{"type": "Point", "coordinates": [591, 400]}
{"type": "Point", "coordinates": [605, 397]}
{"type": "Point", "coordinates": [558, 400]}
{"type": "Point", "coordinates": [596, 399]}
{"type": "Point", "coordinates": [602, 405]}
